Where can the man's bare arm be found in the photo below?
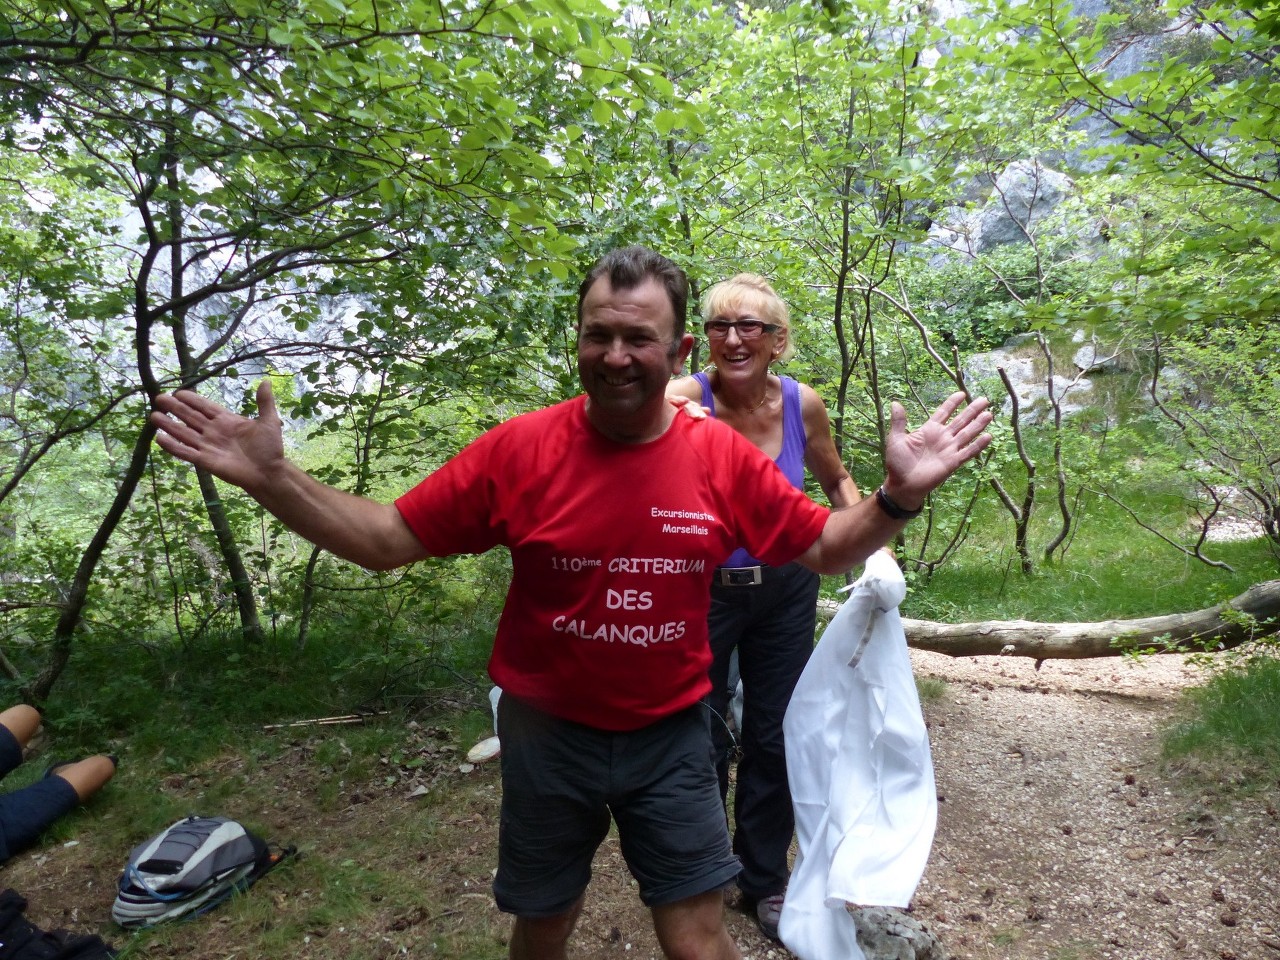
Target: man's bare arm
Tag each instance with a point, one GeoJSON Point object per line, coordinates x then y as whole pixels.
{"type": "Point", "coordinates": [249, 453]}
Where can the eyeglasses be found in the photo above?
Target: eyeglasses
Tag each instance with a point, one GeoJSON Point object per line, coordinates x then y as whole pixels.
{"type": "Point", "coordinates": [748, 329]}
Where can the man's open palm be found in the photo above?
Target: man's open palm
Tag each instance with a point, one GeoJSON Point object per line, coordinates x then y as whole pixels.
{"type": "Point", "coordinates": [243, 451]}
{"type": "Point", "coordinates": [918, 461]}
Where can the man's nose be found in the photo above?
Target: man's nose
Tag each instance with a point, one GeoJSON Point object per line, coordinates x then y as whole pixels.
{"type": "Point", "coordinates": [617, 352]}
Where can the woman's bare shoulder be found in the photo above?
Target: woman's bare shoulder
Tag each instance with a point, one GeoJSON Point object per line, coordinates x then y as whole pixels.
{"type": "Point", "coordinates": [685, 387]}
{"type": "Point", "coordinates": [810, 399]}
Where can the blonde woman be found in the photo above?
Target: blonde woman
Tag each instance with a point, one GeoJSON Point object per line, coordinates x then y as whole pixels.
{"type": "Point", "coordinates": [766, 614]}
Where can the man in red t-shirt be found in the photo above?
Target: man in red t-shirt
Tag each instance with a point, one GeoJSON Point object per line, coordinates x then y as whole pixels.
{"type": "Point", "coordinates": [616, 510]}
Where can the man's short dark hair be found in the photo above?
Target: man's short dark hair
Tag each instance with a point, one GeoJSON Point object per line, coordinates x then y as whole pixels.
{"type": "Point", "coordinates": [628, 267]}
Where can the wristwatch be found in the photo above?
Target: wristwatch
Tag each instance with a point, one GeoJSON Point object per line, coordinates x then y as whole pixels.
{"type": "Point", "coordinates": [885, 503]}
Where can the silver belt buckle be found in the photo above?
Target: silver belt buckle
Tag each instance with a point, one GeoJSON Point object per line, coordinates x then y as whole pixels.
{"type": "Point", "coordinates": [740, 576]}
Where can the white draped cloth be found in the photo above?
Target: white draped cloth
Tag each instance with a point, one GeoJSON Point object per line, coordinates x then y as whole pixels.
{"type": "Point", "coordinates": [860, 771]}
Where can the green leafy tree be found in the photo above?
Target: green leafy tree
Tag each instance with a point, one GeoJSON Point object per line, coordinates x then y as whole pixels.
{"type": "Point", "coordinates": [1218, 394]}
{"type": "Point", "coordinates": [858, 135]}
{"type": "Point", "coordinates": [1183, 175]}
{"type": "Point", "coordinates": [272, 151]}
{"type": "Point", "coordinates": [1190, 156]}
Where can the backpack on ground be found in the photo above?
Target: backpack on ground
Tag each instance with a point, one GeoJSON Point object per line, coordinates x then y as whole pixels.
{"type": "Point", "coordinates": [189, 868]}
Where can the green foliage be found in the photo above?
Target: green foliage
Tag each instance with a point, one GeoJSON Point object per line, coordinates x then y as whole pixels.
{"type": "Point", "coordinates": [1112, 570]}
{"type": "Point", "coordinates": [1195, 166]}
{"type": "Point", "coordinates": [386, 211]}
{"type": "Point", "coordinates": [217, 689]}
{"type": "Point", "coordinates": [279, 161]}
{"type": "Point", "coordinates": [978, 303]}
{"type": "Point", "coordinates": [1223, 390]}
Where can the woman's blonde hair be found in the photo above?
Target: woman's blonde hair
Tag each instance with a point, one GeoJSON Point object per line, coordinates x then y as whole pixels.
{"type": "Point", "coordinates": [751, 292]}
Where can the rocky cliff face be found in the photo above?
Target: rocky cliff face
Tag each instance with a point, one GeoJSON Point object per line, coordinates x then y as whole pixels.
{"type": "Point", "coordinates": [1008, 206]}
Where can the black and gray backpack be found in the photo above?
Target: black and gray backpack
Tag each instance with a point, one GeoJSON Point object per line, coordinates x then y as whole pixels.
{"type": "Point", "coordinates": [190, 868]}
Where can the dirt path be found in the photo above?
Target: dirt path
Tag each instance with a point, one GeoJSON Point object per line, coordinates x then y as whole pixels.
{"type": "Point", "coordinates": [1058, 838]}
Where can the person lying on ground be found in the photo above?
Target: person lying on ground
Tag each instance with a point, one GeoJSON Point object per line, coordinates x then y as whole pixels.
{"type": "Point", "coordinates": [26, 813]}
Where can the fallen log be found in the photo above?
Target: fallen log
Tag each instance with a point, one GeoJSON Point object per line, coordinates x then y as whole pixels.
{"type": "Point", "coordinates": [1250, 616]}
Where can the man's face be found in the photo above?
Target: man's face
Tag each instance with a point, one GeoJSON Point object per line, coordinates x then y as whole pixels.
{"type": "Point", "coordinates": [627, 353]}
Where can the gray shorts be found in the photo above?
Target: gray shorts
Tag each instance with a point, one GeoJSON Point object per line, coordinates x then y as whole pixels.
{"type": "Point", "coordinates": [561, 783]}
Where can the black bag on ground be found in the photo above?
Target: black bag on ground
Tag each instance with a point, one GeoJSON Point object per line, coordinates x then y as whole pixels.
{"type": "Point", "coordinates": [189, 868]}
{"type": "Point", "coordinates": [20, 939]}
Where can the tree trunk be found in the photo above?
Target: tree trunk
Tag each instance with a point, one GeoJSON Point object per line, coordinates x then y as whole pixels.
{"type": "Point", "coordinates": [1247, 617]}
{"type": "Point", "coordinates": [308, 597]}
{"type": "Point", "coordinates": [73, 607]}
{"type": "Point", "coordinates": [241, 585]}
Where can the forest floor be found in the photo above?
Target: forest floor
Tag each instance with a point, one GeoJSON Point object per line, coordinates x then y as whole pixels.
{"type": "Point", "coordinates": [1060, 836]}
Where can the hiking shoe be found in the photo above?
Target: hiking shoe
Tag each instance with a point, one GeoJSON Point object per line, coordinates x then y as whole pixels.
{"type": "Point", "coordinates": [768, 912]}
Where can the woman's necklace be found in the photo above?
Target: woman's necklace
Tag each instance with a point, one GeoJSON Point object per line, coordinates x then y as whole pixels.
{"type": "Point", "coordinates": [762, 398]}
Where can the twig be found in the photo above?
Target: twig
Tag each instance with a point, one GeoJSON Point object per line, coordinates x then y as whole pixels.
{"type": "Point", "coordinates": [326, 721]}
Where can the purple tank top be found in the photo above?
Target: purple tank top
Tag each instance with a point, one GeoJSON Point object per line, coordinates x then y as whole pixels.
{"type": "Point", "coordinates": [790, 459]}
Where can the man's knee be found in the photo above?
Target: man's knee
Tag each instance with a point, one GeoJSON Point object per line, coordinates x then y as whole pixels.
{"type": "Point", "coordinates": [694, 929]}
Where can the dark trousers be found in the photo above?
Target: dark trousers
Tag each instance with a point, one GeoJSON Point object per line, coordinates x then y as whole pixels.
{"type": "Point", "coordinates": [26, 813]}
{"type": "Point", "coordinates": [772, 626]}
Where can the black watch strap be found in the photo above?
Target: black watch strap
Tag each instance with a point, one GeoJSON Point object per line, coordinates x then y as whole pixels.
{"type": "Point", "coordinates": [885, 503]}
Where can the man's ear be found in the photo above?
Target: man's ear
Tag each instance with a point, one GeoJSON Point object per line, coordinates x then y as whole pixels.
{"type": "Point", "coordinates": [682, 353]}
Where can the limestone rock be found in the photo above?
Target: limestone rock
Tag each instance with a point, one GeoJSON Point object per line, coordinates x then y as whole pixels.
{"type": "Point", "coordinates": [885, 933]}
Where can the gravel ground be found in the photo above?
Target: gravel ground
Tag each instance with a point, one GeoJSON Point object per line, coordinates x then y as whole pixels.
{"type": "Point", "coordinates": [1061, 836]}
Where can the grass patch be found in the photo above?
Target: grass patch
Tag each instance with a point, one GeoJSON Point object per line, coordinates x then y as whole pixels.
{"type": "Point", "coordinates": [1232, 733]}
{"type": "Point", "coordinates": [1116, 571]}
{"type": "Point", "coordinates": [1007, 937]}
{"type": "Point", "coordinates": [1079, 950]}
{"type": "Point", "coordinates": [182, 704]}
{"type": "Point", "coordinates": [931, 689]}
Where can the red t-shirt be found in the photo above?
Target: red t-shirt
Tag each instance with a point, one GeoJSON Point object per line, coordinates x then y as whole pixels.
{"type": "Point", "coordinates": [613, 547]}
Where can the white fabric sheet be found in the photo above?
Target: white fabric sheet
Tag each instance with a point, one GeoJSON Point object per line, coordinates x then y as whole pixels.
{"type": "Point", "coordinates": [860, 770]}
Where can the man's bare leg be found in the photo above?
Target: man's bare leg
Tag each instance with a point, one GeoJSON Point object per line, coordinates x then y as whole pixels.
{"type": "Point", "coordinates": [694, 929]}
{"type": "Point", "coordinates": [543, 938]}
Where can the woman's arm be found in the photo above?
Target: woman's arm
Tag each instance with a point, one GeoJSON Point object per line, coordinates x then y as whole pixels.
{"type": "Point", "coordinates": [820, 454]}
